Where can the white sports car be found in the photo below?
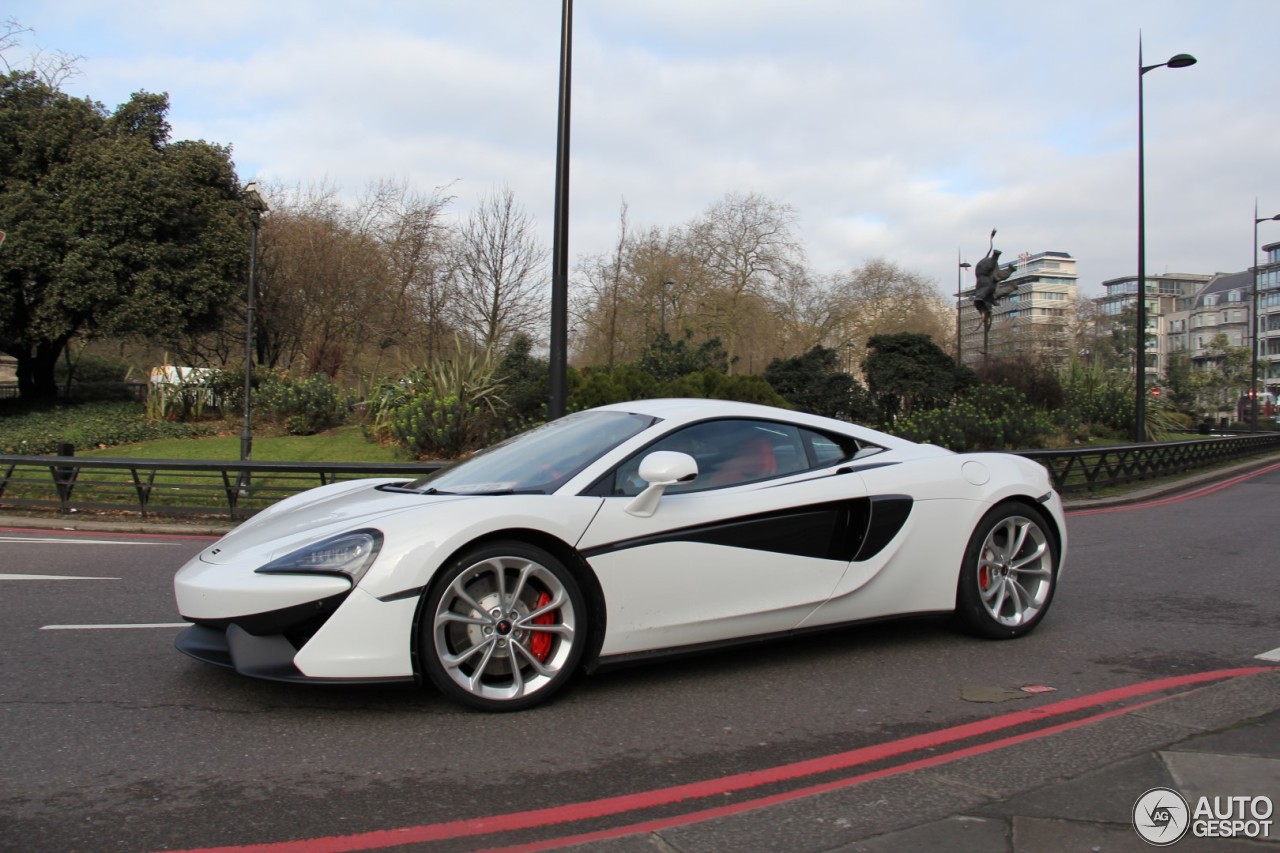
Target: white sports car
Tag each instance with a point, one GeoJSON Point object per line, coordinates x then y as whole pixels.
{"type": "Point", "coordinates": [616, 534]}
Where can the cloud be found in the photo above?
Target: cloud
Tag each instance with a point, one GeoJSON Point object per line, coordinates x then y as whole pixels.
{"type": "Point", "coordinates": [902, 130]}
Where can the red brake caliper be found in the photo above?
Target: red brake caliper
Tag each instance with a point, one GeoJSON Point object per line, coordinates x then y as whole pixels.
{"type": "Point", "coordinates": [984, 574]}
{"type": "Point", "coordinates": [540, 641]}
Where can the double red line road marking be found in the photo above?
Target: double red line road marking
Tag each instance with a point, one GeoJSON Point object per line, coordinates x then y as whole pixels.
{"type": "Point", "coordinates": [684, 799]}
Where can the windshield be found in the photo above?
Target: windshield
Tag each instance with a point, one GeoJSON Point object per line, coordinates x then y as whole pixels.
{"type": "Point", "coordinates": [537, 460]}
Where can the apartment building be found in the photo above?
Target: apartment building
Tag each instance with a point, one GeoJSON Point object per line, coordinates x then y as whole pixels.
{"type": "Point", "coordinates": [1170, 299]}
{"type": "Point", "coordinates": [1269, 319]}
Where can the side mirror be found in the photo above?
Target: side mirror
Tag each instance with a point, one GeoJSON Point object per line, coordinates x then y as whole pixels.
{"type": "Point", "coordinates": [660, 469]}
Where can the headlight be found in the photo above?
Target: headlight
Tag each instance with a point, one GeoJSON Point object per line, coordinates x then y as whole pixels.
{"type": "Point", "coordinates": [348, 554]}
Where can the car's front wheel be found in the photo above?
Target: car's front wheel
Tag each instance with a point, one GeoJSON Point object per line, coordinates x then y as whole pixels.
{"type": "Point", "coordinates": [503, 627]}
{"type": "Point", "coordinates": [1009, 573]}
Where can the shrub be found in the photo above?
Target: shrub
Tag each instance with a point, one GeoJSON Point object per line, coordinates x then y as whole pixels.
{"type": "Point", "coordinates": [438, 427]}
{"type": "Point", "coordinates": [39, 430]}
{"type": "Point", "coordinates": [438, 411]}
{"type": "Point", "coordinates": [986, 417]}
{"type": "Point", "coordinates": [302, 407]}
{"type": "Point", "coordinates": [88, 367]}
{"type": "Point", "coordinates": [714, 385]}
{"type": "Point", "coordinates": [1096, 402]}
{"type": "Point", "coordinates": [602, 387]}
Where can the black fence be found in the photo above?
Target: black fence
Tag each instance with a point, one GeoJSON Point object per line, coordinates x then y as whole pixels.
{"type": "Point", "coordinates": [237, 490]}
{"type": "Point", "coordinates": [180, 487]}
{"type": "Point", "coordinates": [1089, 469]}
{"type": "Point", "coordinates": [131, 390]}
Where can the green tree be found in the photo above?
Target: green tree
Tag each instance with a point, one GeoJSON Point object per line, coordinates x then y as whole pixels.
{"type": "Point", "coordinates": [665, 359]}
{"type": "Point", "coordinates": [112, 230]}
{"type": "Point", "coordinates": [1223, 377]}
{"type": "Point", "coordinates": [813, 382]}
{"type": "Point", "coordinates": [908, 371]}
{"type": "Point", "coordinates": [1179, 384]}
{"type": "Point", "coordinates": [527, 383]}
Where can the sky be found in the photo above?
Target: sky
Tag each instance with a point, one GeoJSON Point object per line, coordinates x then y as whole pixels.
{"type": "Point", "coordinates": [902, 130]}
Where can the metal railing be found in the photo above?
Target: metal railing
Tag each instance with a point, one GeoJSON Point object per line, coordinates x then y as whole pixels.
{"type": "Point", "coordinates": [237, 489]}
{"type": "Point", "coordinates": [151, 487]}
{"type": "Point", "coordinates": [1091, 468]}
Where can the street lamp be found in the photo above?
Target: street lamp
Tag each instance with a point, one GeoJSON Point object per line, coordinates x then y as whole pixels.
{"type": "Point", "coordinates": [1257, 319]}
{"type": "Point", "coordinates": [964, 265]}
{"type": "Point", "coordinates": [1181, 60]}
{"type": "Point", "coordinates": [257, 206]}
{"type": "Point", "coordinates": [559, 358]}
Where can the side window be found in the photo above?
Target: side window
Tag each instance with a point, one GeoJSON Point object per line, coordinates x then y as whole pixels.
{"type": "Point", "coordinates": [734, 452]}
{"type": "Point", "coordinates": [828, 449]}
{"type": "Point", "coordinates": [728, 453]}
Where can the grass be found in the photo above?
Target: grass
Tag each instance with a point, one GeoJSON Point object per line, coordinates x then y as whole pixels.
{"type": "Point", "coordinates": [202, 489]}
{"type": "Point", "coordinates": [343, 444]}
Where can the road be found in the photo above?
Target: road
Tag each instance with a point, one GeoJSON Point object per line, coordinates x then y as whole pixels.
{"type": "Point", "coordinates": [112, 740]}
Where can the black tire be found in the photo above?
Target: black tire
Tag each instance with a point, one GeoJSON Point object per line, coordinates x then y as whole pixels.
{"type": "Point", "coordinates": [1009, 573]}
{"type": "Point", "coordinates": [503, 627]}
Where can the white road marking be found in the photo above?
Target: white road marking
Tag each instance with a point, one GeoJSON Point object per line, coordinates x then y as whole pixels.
{"type": "Point", "coordinates": [115, 627]}
{"type": "Point", "coordinates": [43, 539]}
{"type": "Point", "coordinates": [1274, 655]}
{"type": "Point", "coordinates": [52, 578]}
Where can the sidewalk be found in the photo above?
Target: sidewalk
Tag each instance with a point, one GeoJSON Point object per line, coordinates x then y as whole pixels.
{"type": "Point", "coordinates": [1222, 740]}
{"type": "Point", "coordinates": [1073, 790]}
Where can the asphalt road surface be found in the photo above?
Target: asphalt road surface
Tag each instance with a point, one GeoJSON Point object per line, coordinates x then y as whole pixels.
{"type": "Point", "coordinates": [112, 740]}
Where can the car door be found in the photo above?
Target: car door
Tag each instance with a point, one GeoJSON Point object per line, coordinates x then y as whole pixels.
{"type": "Point", "coordinates": [751, 547]}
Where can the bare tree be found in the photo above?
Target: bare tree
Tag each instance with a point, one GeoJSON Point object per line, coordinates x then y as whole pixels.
{"type": "Point", "coordinates": [52, 69]}
{"type": "Point", "coordinates": [881, 298]}
{"type": "Point", "coordinates": [408, 227]}
{"type": "Point", "coordinates": [597, 306]}
{"type": "Point", "coordinates": [498, 273]}
{"type": "Point", "coordinates": [747, 246]}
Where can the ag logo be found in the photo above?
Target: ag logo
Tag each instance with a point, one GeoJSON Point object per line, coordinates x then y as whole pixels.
{"type": "Point", "coordinates": [1161, 816]}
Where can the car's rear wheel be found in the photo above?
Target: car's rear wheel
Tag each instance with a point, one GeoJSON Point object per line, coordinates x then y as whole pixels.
{"type": "Point", "coordinates": [1009, 573]}
{"type": "Point", "coordinates": [503, 628]}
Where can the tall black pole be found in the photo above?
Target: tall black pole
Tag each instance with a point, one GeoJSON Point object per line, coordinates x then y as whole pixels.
{"type": "Point", "coordinates": [560, 241]}
{"type": "Point", "coordinates": [246, 431]}
{"type": "Point", "coordinates": [1181, 60]}
{"type": "Point", "coordinates": [959, 312]}
{"type": "Point", "coordinates": [1255, 319]}
{"type": "Point", "coordinates": [1140, 358]}
{"type": "Point", "coordinates": [257, 206]}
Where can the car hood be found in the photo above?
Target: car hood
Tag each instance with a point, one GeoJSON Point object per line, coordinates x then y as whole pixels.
{"type": "Point", "coordinates": [315, 514]}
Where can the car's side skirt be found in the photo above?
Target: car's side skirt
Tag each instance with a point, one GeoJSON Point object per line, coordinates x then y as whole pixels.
{"type": "Point", "coordinates": [610, 662]}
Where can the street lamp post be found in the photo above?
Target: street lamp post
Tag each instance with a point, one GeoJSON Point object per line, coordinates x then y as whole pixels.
{"type": "Point", "coordinates": [1257, 319]}
{"type": "Point", "coordinates": [963, 265]}
{"type": "Point", "coordinates": [1181, 60]}
{"type": "Point", "coordinates": [257, 206]}
{"type": "Point", "coordinates": [559, 355]}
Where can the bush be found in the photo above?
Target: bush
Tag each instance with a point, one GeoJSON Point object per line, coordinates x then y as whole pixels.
{"type": "Point", "coordinates": [92, 368]}
{"type": "Point", "coordinates": [302, 407]}
{"type": "Point", "coordinates": [1096, 403]}
{"type": "Point", "coordinates": [39, 430]}
{"type": "Point", "coordinates": [441, 410]}
{"type": "Point", "coordinates": [714, 385]}
{"type": "Point", "coordinates": [986, 417]}
{"type": "Point", "coordinates": [432, 427]}
{"type": "Point", "coordinates": [602, 387]}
